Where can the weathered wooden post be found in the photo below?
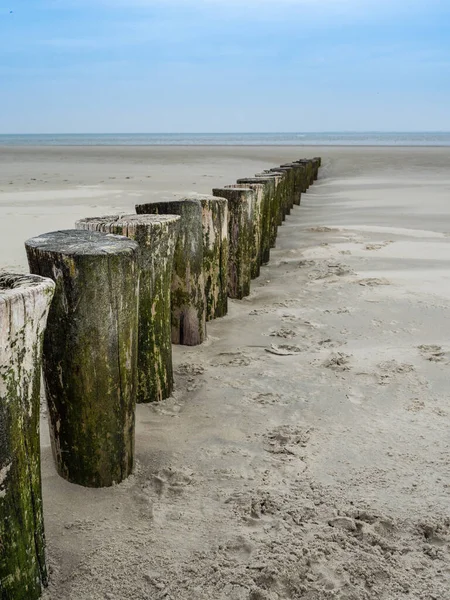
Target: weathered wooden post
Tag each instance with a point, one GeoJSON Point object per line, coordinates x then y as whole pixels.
{"type": "Point", "coordinates": [309, 175]}
{"type": "Point", "coordinates": [90, 352]}
{"type": "Point", "coordinates": [156, 236]}
{"type": "Point", "coordinates": [300, 178]}
{"type": "Point", "coordinates": [256, 223]}
{"type": "Point", "coordinates": [268, 212]}
{"type": "Point", "coordinates": [317, 161]}
{"type": "Point", "coordinates": [188, 283]}
{"type": "Point", "coordinates": [215, 253]}
{"type": "Point", "coordinates": [240, 211]}
{"type": "Point", "coordinates": [290, 186]}
{"type": "Point", "coordinates": [24, 305]}
{"type": "Point", "coordinates": [280, 192]}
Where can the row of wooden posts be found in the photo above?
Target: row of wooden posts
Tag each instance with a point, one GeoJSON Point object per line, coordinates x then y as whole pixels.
{"type": "Point", "coordinates": [99, 313]}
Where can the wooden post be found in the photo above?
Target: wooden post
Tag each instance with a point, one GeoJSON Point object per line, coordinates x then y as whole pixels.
{"type": "Point", "coordinates": [24, 305]}
{"type": "Point", "coordinates": [309, 177]}
{"type": "Point", "coordinates": [290, 186]}
{"type": "Point", "coordinates": [268, 214]}
{"type": "Point", "coordinates": [188, 283]}
{"type": "Point", "coordinates": [300, 177]}
{"type": "Point", "coordinates": [156, 236]}
{"type": "Point", "coordinates": [90, 352]}
{"type": "Point", "coordinates": [240, 211]}
{"type": "Point", "coordinates": [317, 161]}
{"type": "Point", "coordinates": [280, 192]}
{"type": "Point", "coordinates": [256, 222]}
{"type": "Point", "coordinates": [215, 254]}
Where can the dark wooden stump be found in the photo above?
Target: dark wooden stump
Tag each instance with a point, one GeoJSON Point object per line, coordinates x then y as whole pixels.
{"type": "Point", "coordinates": [156, 236]}
{"type": "Point", "coordinates": [255, 243]}
{"type": "Point", "coordinates": [317, 161]}
{"type": "Point", "coordinates": [240, 211]}
{"type": "Point", "coordinates": [188, 283]}
{"type": "Point", "coordinates": [290, 193]}
{"type": "Point", "coordinates": [300, 178]}
{"type": "Point", "coordinates": [309, 177]}
{"type": "Point", "coordinates": [280, 192]}
{"type": "Point", "coordinates": [268, 212]}
{"type": "Point", "coordinates": [90, 352]}
{"type": "Point", "coordinates": [215, 254]}
{"type": "Point", "coordinates": [24, 305]}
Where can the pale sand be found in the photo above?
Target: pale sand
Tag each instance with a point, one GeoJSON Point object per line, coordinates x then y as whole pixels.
{"type": "Point", "coordinates": [319, 474]}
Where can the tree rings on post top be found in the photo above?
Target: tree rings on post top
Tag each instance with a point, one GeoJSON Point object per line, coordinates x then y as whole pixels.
{"type": "Point", "coordinates": [90, 352]}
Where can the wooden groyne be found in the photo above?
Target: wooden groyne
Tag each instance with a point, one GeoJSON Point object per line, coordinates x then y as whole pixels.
{"type": "Point", "coordinates": [118, 291]}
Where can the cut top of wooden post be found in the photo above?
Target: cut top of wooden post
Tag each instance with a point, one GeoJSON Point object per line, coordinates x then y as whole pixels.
{"type": "Point", "coordinates": [17, 286]}
{"type": "Point", "coordinates": [77, 242]}
{"type": "Point", "coordinates": [127, 225]}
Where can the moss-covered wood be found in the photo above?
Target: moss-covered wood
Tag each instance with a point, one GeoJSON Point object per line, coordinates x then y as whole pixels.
{"type": "Point", "coordinates": [256, 224]}
{"type": "Point", "coordinates": [317, 161]}
{"type": "Point", "coordinates": [268, 211]}
{"type": "Point", "coordinates": [90, 352]}
{"type": "Point", "coordinates": [24, 305]}
{"type": "Point", "coordinates": [299, 175]}
{"type": "Point", "coordinates": [156, 236]}
{"type": "Point", "coordinates": [188, 284]}
{"type": "Point", "coordinates": [309, 175]}
{"type": "Point", "coordinates": [280, 194]}
{"type": "Point", "coordinates": [240, 212]}
{"type": "Point", "coordinates": [215, 254]}
{"type": "Point", "coordinates": [289, 187]}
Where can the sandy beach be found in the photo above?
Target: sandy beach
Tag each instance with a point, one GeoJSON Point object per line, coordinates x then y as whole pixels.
{"type": "Point", "coordinates": [305, 453]}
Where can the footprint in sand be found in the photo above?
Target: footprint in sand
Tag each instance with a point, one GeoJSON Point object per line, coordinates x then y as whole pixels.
{"type": "Point", "coordinates": [287, 440]}
{"type": "Point", "coordinates": [284, 333]}
{"type": "Point", "coordinates": [433, 353]}
{"type": "Point", "coordinates": [322, 229]}
{"type": "Point", "coordinates": [338, 361]}
{"type": "Point", "coordinates": [377, 246]}
{"type": "Point", "coordinates": [232, 359]}
{"type": "Point", "coordinates": [171, 480]}
{"type": "Point", "coordinates": [373, 281]}
{"type": "Point", "coordinates": [285, 349]}
{"type": "Point", "coordinates": [327, 269]}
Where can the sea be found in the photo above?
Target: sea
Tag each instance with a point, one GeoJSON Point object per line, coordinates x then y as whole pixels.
{"type": "Point", "coordinates": [368, 138]}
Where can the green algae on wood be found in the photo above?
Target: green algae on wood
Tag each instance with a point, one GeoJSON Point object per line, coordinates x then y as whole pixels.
{"type": "Point", "coordinates": [156, 236]}
{"type": "Point", "coordinates": [188, 302]}
{"type": "Point", "coordinates": [299, 175]}
{"type": "Point", "coordinates": [280, 193]}
{"type": "Point", "coordinates": [240, 211]}
{"type": "Point", "coordinates": [215, 253]}
{"type": "Point", "coordinates": [90, 352]}
{"type": "Point", "coordinates": [289, 187]}
{"type": "Point", "coordinates": [267, 213]}
{"type": "Point", "coordinates": [24, 305]}
{"type": "Point", "coordinates": [256, 223]}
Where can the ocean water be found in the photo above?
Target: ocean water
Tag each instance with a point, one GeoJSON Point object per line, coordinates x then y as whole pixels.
{"type": "Point", "coordinates": [230, 139]}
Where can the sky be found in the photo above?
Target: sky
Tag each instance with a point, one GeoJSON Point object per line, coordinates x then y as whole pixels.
{"type": "Point", "coordinates": [112, 66]}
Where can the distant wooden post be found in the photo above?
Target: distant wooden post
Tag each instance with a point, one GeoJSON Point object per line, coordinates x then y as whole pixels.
{"type": "Point", "coordinates": [317, 161]}
{"type": "Point", "coordinates": [90, 352]}
{"type": "Point", "coordinates": [300, 177]}
{"type": "Point", "coordinates": [240, 202]}
{"type": "Point", "coordinates": [156, 236]}
{"type": "Point", "coordinates": [290, 186]}
{"type": "Point", "coordinates": [24, 305]}
{"type": "Point", "coordinates": [188, 283]}
{"type": "Point", "coordinates": [256, 224]}
{"type": "Point", "coordinates": [279, 179]}
{"type": "Point", "coordinates": [215, 254]}
{"type": "Point", "coordinates": [268, 214]}
{"type": "Point", "coordinates": [309, 176]}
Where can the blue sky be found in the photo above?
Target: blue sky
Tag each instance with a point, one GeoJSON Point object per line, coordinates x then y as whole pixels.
{"type": "Point", "coordinates": [224, 65]}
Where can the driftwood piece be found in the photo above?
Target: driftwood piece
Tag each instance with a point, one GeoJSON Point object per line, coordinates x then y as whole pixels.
{"type": "Point", "coordinates": [156, 236]}
{"type": "Point", "coordinates": [24, 305]}
{"type": "Point", "coordinates": [188, 284]}
{"type": "Point", "coordinates": [90, 352]}
{"type": "Point", "coordinates": [240, 212]}
{"type": "Point", "coordinates": [215, 254]}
